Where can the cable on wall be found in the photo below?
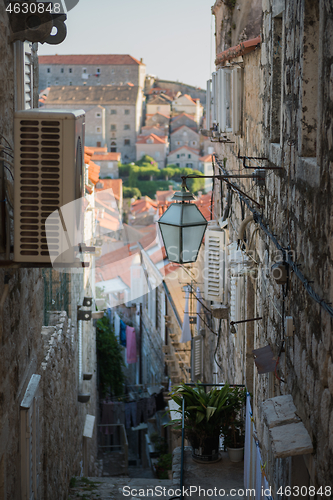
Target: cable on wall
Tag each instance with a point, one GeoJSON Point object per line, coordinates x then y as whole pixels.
{"type": "Point", "coordinates": [258, 219]}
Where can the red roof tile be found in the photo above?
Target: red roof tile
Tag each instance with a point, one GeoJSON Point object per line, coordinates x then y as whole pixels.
{"type": "Point", "coordinates": [106, 156]}
{"type": "Point", "coordinates": [115, 184]}
{"type": "Point", "coordinates": [98, 59]}
{"type": "Point", "coordinates": [146, 139]}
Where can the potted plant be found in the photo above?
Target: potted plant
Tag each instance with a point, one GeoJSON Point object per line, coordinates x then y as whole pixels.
{"type": "Point", "coordinates": [204, 415]}
{"type": "Point", "coordinates": [233, 428]}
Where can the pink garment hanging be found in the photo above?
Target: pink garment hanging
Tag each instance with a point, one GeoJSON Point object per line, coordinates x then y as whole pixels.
{"type": "Point", "coordinates": [130, 345]}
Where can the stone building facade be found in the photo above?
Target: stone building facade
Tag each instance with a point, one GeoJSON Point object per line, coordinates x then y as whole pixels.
{"type": "Point", "coordinates": [91, 70]}
{"type": "Point", "coordinates": [280, 120]}
{"type": "Point", "coordinates": [121, 118]}
{"type": "Point", "coordinates": [41, 420]}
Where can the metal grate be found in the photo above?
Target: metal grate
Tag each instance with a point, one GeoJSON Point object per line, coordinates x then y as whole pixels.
{"type": "Point", "coordinates": [39, 186]}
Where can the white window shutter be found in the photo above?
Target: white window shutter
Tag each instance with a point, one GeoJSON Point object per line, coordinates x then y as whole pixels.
{"type": "Point", "coordinates": [23, 75]}
{"type": "Point", "coordinates": [214, 97]}
{"type": "Point", "coordinates": [215, 278]}
{"type": "Point", "coordinates": [197, 358]}
{"type": "Point", "coordinates": [220, 104]}
{"type": "Point", "coordinates": [236, 298]}
{"type": "Point", "coordinates": [236, 99]}
{"type": "Point", "coordinates": [28, 76]}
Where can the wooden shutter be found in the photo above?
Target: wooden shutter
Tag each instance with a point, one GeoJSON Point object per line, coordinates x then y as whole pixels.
{"type": "Point", "coordinates": [197, 358]}
{"type": "Point", "coordinates": [215, 279]}
{"type": "Point", "coordinates": [23, 75]}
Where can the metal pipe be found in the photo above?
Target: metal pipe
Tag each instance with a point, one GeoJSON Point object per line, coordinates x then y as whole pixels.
{"type": "Point", "coordinates": [244, 321]}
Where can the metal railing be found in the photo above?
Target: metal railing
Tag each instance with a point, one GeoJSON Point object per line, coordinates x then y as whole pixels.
{"type": "Point", "coordinates": [120, 436]}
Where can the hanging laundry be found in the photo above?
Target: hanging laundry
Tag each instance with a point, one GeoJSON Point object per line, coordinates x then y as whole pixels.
{"type": "Point", "coordinates": [131, 345]}
{"type": "Point", "coordinates": [186, 331]}
{"type": "Point", "coordinates": [123, 333]}
{"type": "Point", "coordinates": [117, 326]}
{"type": "Point", "coordinates": [199, 307]}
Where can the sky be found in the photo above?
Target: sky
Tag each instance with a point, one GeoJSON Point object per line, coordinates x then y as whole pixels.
{"type": "Point", "coordinates": [174, 37]}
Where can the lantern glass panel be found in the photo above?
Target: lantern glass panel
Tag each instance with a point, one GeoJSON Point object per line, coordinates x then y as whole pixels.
{"type": "Point", "coordinates": [192, 237]}
{"type": "Point", "coordinates": [171, 239]}
{"type": "Point", "coordinates": [191, 214]}
{"type": "Point", "coordinates": [172, 215]}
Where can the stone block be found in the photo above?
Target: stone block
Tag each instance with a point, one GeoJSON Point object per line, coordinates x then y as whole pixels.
{"type": "Point", "coordinates": [290, 440]}
{"type": "Point", "coordinates": [330, 375]}
{"type": "Point", "coordinates": [280, 411]}
{"type": "Point", "coordinates": [325, 410]}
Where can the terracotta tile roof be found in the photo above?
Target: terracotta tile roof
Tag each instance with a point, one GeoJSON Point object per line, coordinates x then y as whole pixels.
{"type": "Point", "coordinates": [182, 116]}
{"type": "Point", "coordinates": [189, 98]}
{"type": "Point", "coordinates": [83, 95]}
{"type": "Point", "coordinates": [161, 196]}
{"type": "Point", "coordinates": [146, 139]}
{"type": "Point", "coordinates": [106, 157]}
{"type": "Point", "coordinates": [115, 184]}
{"type": "Point", "coordinates": [93, 172]}
{"type": "Point", "coordinates": [238, 50]}
{"type": "Point", "coordinates": [143, 205]}
{"type": "Point", "coordinates": [195, 151]}
{"type": "Point", "coordinates": [160, 99]}
{"type": "Point", "coordinates": [102, 149]}
{"type": "Point", "coordinates": [158, 113]}
{"type": "Point", "coordinates": [206, 158]}
{"type": "Point", "coordinates": [83, 59]}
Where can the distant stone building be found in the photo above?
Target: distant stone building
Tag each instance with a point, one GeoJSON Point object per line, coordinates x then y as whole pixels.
{"type": "Point", "coordinates": [181, 120]}
{"type": "Point", "coordinates": [154, 146]}
{"type": "Point", "coordinates": [160, 103]}
{"type": "Point", "coordinates": [158, 119]}
{"type": "Point", "coordinates": [186, 104]}
{"type": "Point", "coordinates": [122, 114]}
{"type": "Point", "coordinates": [184, 136]}
{"type": "Point", "coordinates": [108, 162]}
{"type": "Point", "coordinates": [184, 156]}
{"type": "Point", "coordinates": [91, 70]}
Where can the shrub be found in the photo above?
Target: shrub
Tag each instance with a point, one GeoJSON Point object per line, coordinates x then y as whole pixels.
{"type": "Point", "coordinates": [109, 358]}
{"type": "Point", "coordinates": [131, 192]}
{"type": "Point", "coordinates": [124, 170]}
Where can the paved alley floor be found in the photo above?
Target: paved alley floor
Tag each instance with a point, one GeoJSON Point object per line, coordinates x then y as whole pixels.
{"type": "Point", "coordinates": [223, 479]}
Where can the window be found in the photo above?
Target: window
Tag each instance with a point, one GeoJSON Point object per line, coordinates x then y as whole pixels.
{"type": "Point", "coordinates": [113, 127]}
{"type": "Point", "coordinates": [70, 84]}
{"type": "Point", "coordinates": [62, 70]}
{"type": "Point", "coordinates": [57, 83]}
{"type": "Point", "coordinates": [178, 164]}
{"type": "Point", "coordinates": [194, 143]}
{"type": "Point", "coordinates": [127, 142]}
{"type": "Point", "coordinates": [127, 127]}
{"type": "Point", "coordinates": [189, 165]}
{"type": "Point", "coordinates": [84, 70]}
{"type": "Point", "coordinates": [189, 157]}
{"type": "Point", "coordinates": [215, 276]}
{"type": "Point", "coordinates": [127, 111]}
{"type": "Point", "coordinates": [49, 70]}
{"type": "Point", "coordinates": [113, 111]}
{"type": "Point", "coordinates": [98, 130]}
{"type": "Point", "coordinates": [226, 99]}
{"type": "Point", "coordinates": [98, 115]}
{"type": "Point", "coordinates": [178, 156]}
{"type": "Point", "coordinates": [70, 70]}
{"type": "Point", "coordinates": [98, 71]}
{"type": "Point", "coordinates": [113, 147]}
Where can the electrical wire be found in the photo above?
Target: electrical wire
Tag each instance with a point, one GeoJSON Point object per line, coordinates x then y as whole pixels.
{"type": "Point", "coordinates": [4, 138]}
{"type": "Point", "coordinates": [258, 219]}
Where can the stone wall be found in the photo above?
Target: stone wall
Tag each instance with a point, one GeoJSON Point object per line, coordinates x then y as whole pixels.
{"type": "Point", "coordinates": [109, 75]}
{"type": "Point", "coordinates": [288, 77]}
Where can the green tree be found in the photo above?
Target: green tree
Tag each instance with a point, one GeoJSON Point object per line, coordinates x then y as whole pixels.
{"type": "Point", "coordinates": [109, 359]}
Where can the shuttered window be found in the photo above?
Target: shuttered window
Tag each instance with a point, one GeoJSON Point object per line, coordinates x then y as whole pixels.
{"type": "Point", "coordinates": [197, 358]}
{"type": "Point", "coordinates": [215, 271]}
{"type": "Point", "coordinates": [23, 75]}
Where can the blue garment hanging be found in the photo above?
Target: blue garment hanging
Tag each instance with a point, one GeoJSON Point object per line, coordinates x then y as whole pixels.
{"type": "Point", "coordinates": [122, 333]}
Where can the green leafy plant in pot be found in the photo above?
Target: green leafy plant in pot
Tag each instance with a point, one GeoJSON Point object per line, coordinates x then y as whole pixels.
{"type": "Point", "coordinates": [233, 428]}
{"type": "Point", "coordinates": [203, 416]}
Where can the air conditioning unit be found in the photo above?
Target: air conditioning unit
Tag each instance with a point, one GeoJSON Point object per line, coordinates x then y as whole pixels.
{"type": "Point", "coordinates": [49, 177]}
